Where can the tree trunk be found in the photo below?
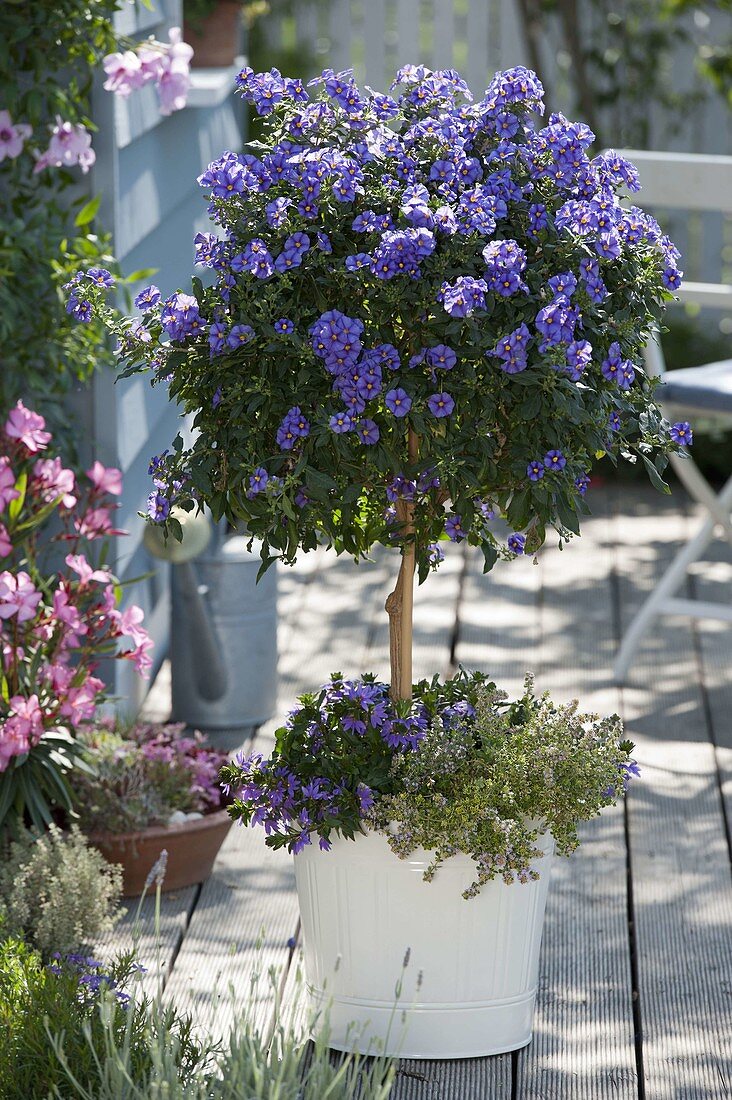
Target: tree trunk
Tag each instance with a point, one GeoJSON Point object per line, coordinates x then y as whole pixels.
{"type": "Point", "coordinates": [400, 602]}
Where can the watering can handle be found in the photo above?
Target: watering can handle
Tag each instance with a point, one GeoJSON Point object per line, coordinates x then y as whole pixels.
{"type": "Point", "coordinates": [209, 668]}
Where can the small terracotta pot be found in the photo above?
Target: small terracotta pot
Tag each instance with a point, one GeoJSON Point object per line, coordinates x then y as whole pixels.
{"type": "Point", "coordinates": [192, 848]}
{"type": "Point", "coordinates": [215, 39]}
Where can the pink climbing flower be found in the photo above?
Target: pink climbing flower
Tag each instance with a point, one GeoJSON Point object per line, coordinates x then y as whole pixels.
{"type": "Point", "coordinates": [85, 571]}
{"type": "Point", "coordinates": [70, 145]}
{"type": "Point", "coordinates": [12, 136]}
{"type": "Point", "coordinates": [175, 78]}
{"type": "Point", "coordinates": [124, 73]}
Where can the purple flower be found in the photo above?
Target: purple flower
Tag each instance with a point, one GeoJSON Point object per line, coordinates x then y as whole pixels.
{"type": "Point", "coordinates": [554, 460]}
{"type": "Point", "coordinates": [100, 277]}
{"type": "Point", "coordinates": [239, 335]}
{"type": "Point", "coordinates": [682, 433]}
{"type": "Point", "coordinates": [436, 554]}
{"type": "Point", "coordinates": [440, 404]}
{"type": "Point", "coordinates": [582, 484]}
{"type": "Point", "coordinates": [284, 326]}
{"type": "Point", "coordinates": [441, 356]}
{"type": "Point", "coordinates": [150, 296]}
{"type": "Point", "coordinates": [516, 543]}
{"type": "Point", "coordinates": [535, 470]}
{"type": "Point", "coordinates": [398, 401]}
{"type": "Point", "coordinates": [257, 481]}
{"type": "Point", "coordinates": [158, 507]}
{"type": "Point", "coordinates": [340, 422]}
{"type": "Point", "coordinates": [614, 423]}
{"type": "Point", "coordinates": [454, 528]}
{"type": "Point", "coordinates": [368, 432]}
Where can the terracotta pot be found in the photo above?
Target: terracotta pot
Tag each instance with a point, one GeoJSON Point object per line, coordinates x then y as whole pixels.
{"type": "Point", "coordinates": [192, 848]}
{"type": "Point", "coordinates": [215, 39]}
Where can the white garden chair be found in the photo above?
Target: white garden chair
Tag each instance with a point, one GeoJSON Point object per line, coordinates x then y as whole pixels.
{"type": "Point", "coordinates": [687, 182]}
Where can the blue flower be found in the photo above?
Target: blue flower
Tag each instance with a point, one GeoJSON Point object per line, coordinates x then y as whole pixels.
{"type": "Point", "coordinates": [682, 433]}
{"type": "Point", "coordinates": [440, 404]}
{"type": "Point", "coordinates": [535, 470]}
{"type": "Point", "coordinates": [516, 543]}
{"type": "Point", "coordinates": [398, 401]}
{"type": "Point", "coordinates": [554, 460]}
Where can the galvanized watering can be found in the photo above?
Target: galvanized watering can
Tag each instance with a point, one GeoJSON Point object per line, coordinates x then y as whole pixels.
{"type": "Point", "coordinates": [223, 630]}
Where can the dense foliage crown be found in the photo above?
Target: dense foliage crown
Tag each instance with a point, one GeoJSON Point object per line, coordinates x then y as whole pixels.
{"type": "Point", "coordinates": [415, 299]}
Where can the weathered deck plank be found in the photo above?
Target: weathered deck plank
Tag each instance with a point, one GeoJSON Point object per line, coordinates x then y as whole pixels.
{"type": "Point", "coordinates": [136, 930]}
{"type": "Point", "coordinates": [680, 861]}
{"type": "Point", "coordinates": [583, 1042]}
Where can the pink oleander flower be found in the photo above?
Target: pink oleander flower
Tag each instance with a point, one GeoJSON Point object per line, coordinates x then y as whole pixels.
{"type": "Point", "coordinates": [96, 523]}
{"type": "Point", "coordinates": [27, 427]}
{"type": "Point", "coordinates": [80, 702]}
{"type": "Point", "coordinates": [175, 78]}
{"type": "Point", "coordinates": [79, 564]}
{"type": "Point", "coordinates": [69, 145]}
{"type": "Point", "coordinates": [18, 596]}
{"type": "Point", "coordinates": [13, 742]}
{"type": "Point", "coordinates": [68, 614]}
{"type": "Point", "coordinates": [124, 73]}
{"type": "Point", "coordinates": [105, 479]}
{"type": "Point", "coordinates": [141, 657]}
{"type": "Point", "coordinates": [53, 481]}
{"type": "Point", "coordinates": [8, 491]}
{"type": "Point", "coordinates": [6, 543]}
{"type": "Point", "coordinates": [12, 136]}
{"type": "Point", "coordinates": [59, 676]}
{"type": "Point", "coordinates": [129, 624]}
{"type": "Point", "coordinates": [28, 716]}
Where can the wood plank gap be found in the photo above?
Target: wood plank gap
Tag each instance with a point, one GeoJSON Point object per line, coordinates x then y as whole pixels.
{"type": "Point", "coordinates": [691, 586]}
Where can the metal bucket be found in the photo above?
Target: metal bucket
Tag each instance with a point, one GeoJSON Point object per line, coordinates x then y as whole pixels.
{"type": "Point", "coordinates": [224, 642]}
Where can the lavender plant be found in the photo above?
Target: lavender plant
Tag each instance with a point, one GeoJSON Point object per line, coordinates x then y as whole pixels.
{"type": "Point", "coordinates": [458, 769]}
{"type": "Point", "coordinates": [425, 310]}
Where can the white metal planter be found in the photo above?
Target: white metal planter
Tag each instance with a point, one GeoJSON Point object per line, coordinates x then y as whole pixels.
{"type": "Point", "coordinates": [470, 986]}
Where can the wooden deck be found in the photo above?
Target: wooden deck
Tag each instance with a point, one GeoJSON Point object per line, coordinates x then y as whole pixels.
{"type": "Point", "coordinates": [635, 995]}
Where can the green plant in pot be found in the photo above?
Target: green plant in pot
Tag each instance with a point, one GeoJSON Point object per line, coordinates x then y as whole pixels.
{"type": "Point", "coordinates": [427, 313]}
{"type": "Point", "coordinates": [146, 788]}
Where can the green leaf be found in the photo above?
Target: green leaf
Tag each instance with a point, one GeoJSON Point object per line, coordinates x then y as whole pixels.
{"type": "Point", "coordinates": [656, 480]}
{"type": "Point", "coordinates": [15, 506]}
{"type": "Point", "coordinates": [88, 212]}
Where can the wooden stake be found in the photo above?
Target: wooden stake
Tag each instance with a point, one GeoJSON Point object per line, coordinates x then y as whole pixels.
{"type": "Point", "coordinates": [400, 602]}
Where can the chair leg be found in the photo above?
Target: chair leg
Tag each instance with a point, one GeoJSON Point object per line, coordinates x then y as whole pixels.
{"type": "Point", "coordinates": [665, 588]}
{"type": "Point", "coordinates": [700, 489]}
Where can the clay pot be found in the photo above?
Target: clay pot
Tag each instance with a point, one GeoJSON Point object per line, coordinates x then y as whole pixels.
{"type": "Point", "coordinates": [216, 38]}
{"type": "Point", "coordinates": [192, 848]}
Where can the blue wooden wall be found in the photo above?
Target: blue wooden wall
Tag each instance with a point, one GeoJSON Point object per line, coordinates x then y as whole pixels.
{"type": "Point", "coordinates": [146, 172]}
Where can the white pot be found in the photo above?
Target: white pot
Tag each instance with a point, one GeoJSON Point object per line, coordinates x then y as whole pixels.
{"type": "Point", "coordinates": [361, 908]}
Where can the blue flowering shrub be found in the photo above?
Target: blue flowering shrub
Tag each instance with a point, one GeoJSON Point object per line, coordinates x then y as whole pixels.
{"type": "Point", "coordinates": [455, 769]}
{"type": "Point", "coordinates": [420, 300]}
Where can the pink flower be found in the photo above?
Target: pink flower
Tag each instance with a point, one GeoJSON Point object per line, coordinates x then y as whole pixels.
{"type": "Point", "coordinates": [80, 565]}
{"type": "Point", "coordinates": [175, 78]}
{"type": "Point", "coordinates": [18, 596]}
{"type": "Point", "coordinates": [59, 677]}
{"type": "Point", "coordinates": [151, 63]}
{"type": "Point", "coordinates": [124, 73]}
{"type": "Point", "coordinates": [29, 716]}
{"type": "Point", "coordinates": [141, 657]}
{"type": "Point", "coordinates": [53, 481]}
{"type": "Point", "coordinates": [69, 615]}
{"type": "Point", "coordinates": [95, 524]}
{"type": "Point", "coordinates": [129, 624]}
{"type": "Point", "coordinates": [8, 491]}
{"type": "Point", "coordinates": [13, 742]}
{"type": "Point", "coordinates": [69, 145]}
{"type": "Point", "coordinates": [6, 544]}
{"type": "Point", "coordinates": [80, 702]}
{"type": "Point", "coordinates": [105, 479]}
{"type": "Point", "coordinates": [12, 137]}
{"type": "Point", "coordinates": [27, 427]}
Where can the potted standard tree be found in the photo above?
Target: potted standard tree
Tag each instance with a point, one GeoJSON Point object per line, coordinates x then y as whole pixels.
{"type": "Point", "coordinates": [426, 312]}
